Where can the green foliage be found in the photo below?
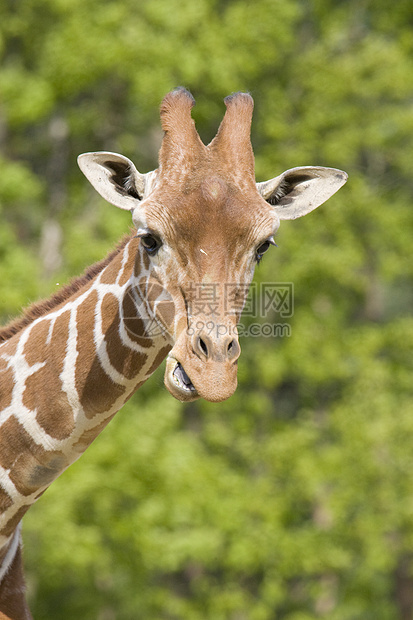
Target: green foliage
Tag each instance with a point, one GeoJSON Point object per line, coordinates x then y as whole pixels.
{"type": "Point", "coordinates": [292, 500]}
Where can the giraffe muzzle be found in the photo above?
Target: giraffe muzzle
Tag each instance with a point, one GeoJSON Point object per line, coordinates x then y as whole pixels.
{"type": "Point", "coordinates": [202, 366]}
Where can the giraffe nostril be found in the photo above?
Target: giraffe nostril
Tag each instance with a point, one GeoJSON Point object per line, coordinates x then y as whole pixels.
{"type": "Point", "coordinates": [203, 347]}
{"type": "Point", "coordinates": [218, 349]}
{"type": "Point", "coordinates": [233, 349]}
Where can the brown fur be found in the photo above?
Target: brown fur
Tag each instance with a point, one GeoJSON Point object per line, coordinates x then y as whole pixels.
{"type": "Point", "coordinates": [41, 308]}
{"type": "Point", "coordinates": [34, 466]}
{"type": "Point", "coordinates": [122, 358]}
{"type": "Point", "coordinates": [13, 604]}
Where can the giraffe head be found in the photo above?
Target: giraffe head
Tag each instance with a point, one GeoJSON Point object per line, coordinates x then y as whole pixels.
{"type": "Point", "coordinates": [203, 224]}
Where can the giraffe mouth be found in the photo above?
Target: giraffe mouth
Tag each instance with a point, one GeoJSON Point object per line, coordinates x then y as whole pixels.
{"type": "Point", "coordinates": [178, 382]}
{"type": "Point", "coordinates": [182, 379]}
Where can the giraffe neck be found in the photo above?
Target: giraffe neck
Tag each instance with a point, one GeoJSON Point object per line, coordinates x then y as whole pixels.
{"type": "Point", "coordinates": [65, 375]}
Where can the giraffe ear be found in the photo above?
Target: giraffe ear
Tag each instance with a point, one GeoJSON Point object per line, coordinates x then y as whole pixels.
{"type": "Point", "coordinates": [298, 191]}
{"type": "Point", "coordinates": [114, 177]}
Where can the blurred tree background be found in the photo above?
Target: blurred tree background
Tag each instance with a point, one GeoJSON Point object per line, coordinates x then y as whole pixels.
{"type": "Point", "coordinates": [294, 499]}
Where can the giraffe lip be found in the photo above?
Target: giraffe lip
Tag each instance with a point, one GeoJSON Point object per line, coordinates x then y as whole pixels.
{"type": "Point", "coordinates": [181, 378]}
{"type": "Point", "coordinates": [178, 382]}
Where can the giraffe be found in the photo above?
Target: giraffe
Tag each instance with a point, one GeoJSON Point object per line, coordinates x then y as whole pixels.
{"type": "Point", "coordinates": [69, 363]}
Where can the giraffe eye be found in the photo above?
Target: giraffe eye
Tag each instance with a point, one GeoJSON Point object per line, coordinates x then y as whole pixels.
{"type": "Point", "coordinates": [261, 249]}
{"type": "Point", "coordinates": [151, 244]}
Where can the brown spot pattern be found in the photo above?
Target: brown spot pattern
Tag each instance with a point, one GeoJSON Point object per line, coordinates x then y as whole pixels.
{"type": "Point", "coordinates": [111, 271]}
{"type": "Point", "coordinates": [134, 325]}
{"type": "Point", "coordinates": [146, 263]}
{"type": "Point", "coordinates": [96, 390]}
{"type": "Point", "coordinates": [5, 500]}
{"type": "Point", "coordinates": [35, 349]}
{"type": "Point", "coordinates": [90, 435]}
{"type": "Point", "coordinates": [30, 465]}
{"type": "Point", "coordinates": [44, 394]}
{"type": "Point", "coordinates": [14, 521]}
{"type": "Point", "coordinates": [159, 358]}
{"type": "Point", "coordinates": [9, 347]}
{"type": "Point", "coordinates": [122, 358]}
{"type": "Point", "coordinates": [151, 289]}
{"type": "Point", "coordinates": [59, 340]}
{"type": "Point", "coordinates": [130, 263]}
{"type": "Point", "coordinates": [6, 385]}
{"type": "Point", "coordinates": [109, 311]}
{"type": "Point", "coordinates": [43, 389]}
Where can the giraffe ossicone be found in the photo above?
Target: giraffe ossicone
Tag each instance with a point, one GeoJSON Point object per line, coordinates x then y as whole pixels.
{"type": "Point", "coordinates": [174, 288]}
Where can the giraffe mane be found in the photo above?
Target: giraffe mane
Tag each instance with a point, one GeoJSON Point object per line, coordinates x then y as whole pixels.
{"type": "Point", "coordinates": [40, 308]}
